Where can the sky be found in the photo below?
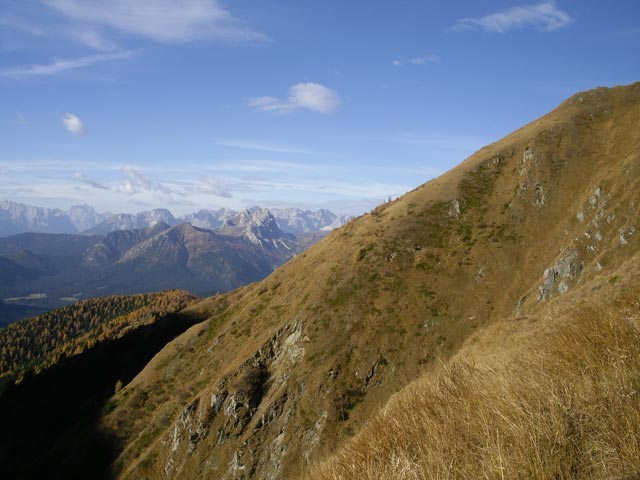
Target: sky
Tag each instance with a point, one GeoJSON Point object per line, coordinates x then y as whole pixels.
{"type": "Point", "coordinates": [200, 104]}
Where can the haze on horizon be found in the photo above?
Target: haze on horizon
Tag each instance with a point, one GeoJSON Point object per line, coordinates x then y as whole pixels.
{"type": "Point", "coordinates": [129, 106]}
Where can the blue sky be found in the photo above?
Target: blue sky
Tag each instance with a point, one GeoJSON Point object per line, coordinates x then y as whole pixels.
{"type": "Point", "coordinates": [191, 104]}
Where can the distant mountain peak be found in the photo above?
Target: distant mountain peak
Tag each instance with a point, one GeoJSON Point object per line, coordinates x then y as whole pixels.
{"type": "Point", "coordinates": [19, 218]}
{"type": "Point", "coordinates": [129, 221]}
{"type": "Point", "coordinates": [84, 217]}
{"type": "Point", "coordinates": [160, 226]}
{"type": "Point", "coordinates": [259, 227]}
{"type": "Point", "coordinates": [295, 220]}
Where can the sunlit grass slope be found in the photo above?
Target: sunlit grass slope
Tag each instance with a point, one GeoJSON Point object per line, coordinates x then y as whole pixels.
{"type": "Point", "coordinates": [563, 404]}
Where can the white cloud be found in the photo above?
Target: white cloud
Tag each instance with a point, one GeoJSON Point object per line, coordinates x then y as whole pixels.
{"type": "Point", "coordinates": [416, 60]}
{"type": "Point", "coordinates": [264, 147]}
{"type": "Point", "coordinates": [73, 124]}
{"type": "Point", "coordinates": [56, 165]}
{"type": "Point", "coordinates": [435, 142]}
{"type": "Point", "coordinates": [20, 119]}
{"type": "Point", "coordinates": [307, 187]}
{"type": "Point", "coordinates": [273, 166]}
{"type": "Point", "coordinates": [136, 182]}
{"type": "Point", "coordinates": [92, 38]}
{"type": "Point", "coordinates": [267, 104]}
{"type": "Point", "coordinates": [62, 65]}
{"type": "Point", "coordinates": [309, 96]}
{"type": "Point", "coordinates": [127, 187]}
{"type": "Point", "coordinates": [79, 176]}
{"type": "Point", "coordinates": [213, 186]}
{"type": "Point", "coordinates": [545, 16]}
{"type": "Point", "coordinates": [171, 21]}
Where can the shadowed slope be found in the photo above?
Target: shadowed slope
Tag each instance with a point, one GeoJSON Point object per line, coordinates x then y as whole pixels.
{"type": "Point", "coordinates": [50, 422]}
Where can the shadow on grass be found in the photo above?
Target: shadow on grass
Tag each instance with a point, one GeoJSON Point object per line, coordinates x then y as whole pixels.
{"type": "Point", "coordinates": [49, 424]}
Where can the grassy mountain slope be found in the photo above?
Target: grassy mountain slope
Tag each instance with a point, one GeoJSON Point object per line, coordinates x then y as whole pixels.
{"type": "Point", "coordinates": [286, 370]}
{"type": "Point", "coordinates": [560, 402]}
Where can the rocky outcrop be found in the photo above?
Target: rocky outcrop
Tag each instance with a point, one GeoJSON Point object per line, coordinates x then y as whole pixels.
{"type": "Point", "coordinates": [560, 275]}
{"type": "Point", "coordinates": [244, 404]}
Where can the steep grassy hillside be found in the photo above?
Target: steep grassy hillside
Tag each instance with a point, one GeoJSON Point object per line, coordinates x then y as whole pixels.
{"type": "Point", "coordinates": [286, 370]}
{"type": "Point", "coordinates": [560, 402]}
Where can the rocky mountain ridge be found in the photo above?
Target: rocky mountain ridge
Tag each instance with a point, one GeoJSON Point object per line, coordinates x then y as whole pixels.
{"type": "Point", "coordinates": [259, 226]}
{"type": "Point", "coordinates": [295, 220]}
{"type": "Point", "coordinates": [18, 218]}
{"type": "Point", "coordinates": [48, 270]}
{"type": "Point", "coordinates": [128, 221]}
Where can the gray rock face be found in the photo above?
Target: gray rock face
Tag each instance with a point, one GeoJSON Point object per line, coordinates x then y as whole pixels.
{"type": "Point", "coordinates": [17, 218]}
{"type": "Point", "coordinates": [209, 219]}
{"type": "Point", "coordinates": [232, 411]}
{"type": "Point", "coordinates": [560, 275]}
{"type": "Point", "coordinates": [258, 226]}
{"type": "Point", "coordinates": [295, 220]}
{"type": "Point", "coordinates": [85, 217]}
{"type": "Point", "coordinates": [531, 184]}
{"type": "Point", "coordinates": [156, 216]}
{"type": "Point", "coordinates": [454, 209]}
{"type": "Point", "coordinates": [127, 221]}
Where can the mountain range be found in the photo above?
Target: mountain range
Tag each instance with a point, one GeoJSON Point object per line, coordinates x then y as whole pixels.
{"type": "Point", "coordinates": [50, 270]}
{"type": "Point", "coordinates": [483, 325]}
{"type": "Point", "coordinates": [20, 218]}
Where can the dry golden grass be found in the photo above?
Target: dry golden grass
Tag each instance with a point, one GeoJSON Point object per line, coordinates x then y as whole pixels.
{"type": "Point", "coordinates": [566, 406]}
